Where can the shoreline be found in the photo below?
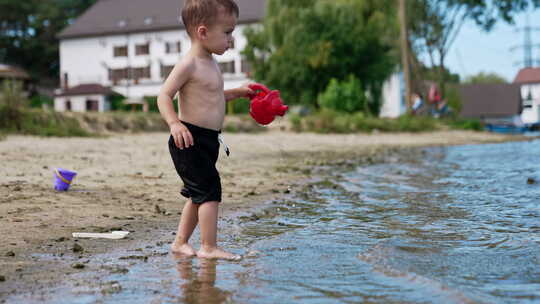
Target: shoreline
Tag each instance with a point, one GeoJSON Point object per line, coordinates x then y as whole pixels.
{"type": "Point", "coordinates": [121, 190]}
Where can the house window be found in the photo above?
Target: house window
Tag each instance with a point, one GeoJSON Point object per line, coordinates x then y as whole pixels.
{"type": "Point", "coordinates": [139, 73]}
{"type": "Point", "coordinates": [142, 49]}
{"type": "Point", "coordinates": [92, 105]}
{"type": "Point", "coordinates": [246, 67]}
{"type": "Point", "coordinates": [116, 75]}
{"type": "Point", "coordinates": [120, 51]}
{"type": "Point", "coordinates": [173, 47]}
{"type": "Point", "coordinates": [166, 70]}
{"type": "Point", "coordinates": [68, 105]}
{"type": "Point", "coordinates": [227, 67]}
{"type": "Point", "coordinates": [66, 80]}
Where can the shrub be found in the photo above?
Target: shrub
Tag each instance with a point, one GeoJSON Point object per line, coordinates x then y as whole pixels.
{"type": "Point", "coordinates": [296, 122]}
{"type": "Point", "coordinates": [344, 96]}
{"type": "Point", "coordinates": [15, 117]}
{"type": "Point", "coordinates": [36, 122]}
{"type": "Point", "coordinates": [454, 100]}
{"type": "Point", "coordinates": [242, 123]}
{"type": "Point", "coordinates": [329, 121]}
{"type": "Point", "coordinates": [466, 124]}
{"type": "Point", "coordinates": [38, 101]}
{"type": "Point", "coordinates": [238, 106]}
{"type": "Point", "coordinates": [12, 96]}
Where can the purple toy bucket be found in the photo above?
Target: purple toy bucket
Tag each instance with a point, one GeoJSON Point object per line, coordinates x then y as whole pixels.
{"type": "Point", "coordinates": [62, 179]}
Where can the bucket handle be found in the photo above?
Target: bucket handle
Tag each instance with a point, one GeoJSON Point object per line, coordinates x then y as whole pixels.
{"type": "Point", "coordinates": [61, 177]}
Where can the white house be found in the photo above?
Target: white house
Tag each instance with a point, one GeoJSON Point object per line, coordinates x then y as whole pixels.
{"type": "Point", "coordinates": [529, 81]}
{"type": "Point", "coordinates": [83, 98]}
{"type": "Point", "coordinates": [394, 104]}
{"type": "Point", "coordinates": [130, 46]}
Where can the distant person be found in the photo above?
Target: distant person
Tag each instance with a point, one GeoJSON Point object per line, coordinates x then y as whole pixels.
{"type": "Point", "coordinates": [433, 95]}
{"type": "Point", "coordinates": [418, 102]}
{"type": "Point", "coordinates": [193, 143]}
{"type": "Point", "coordinates": [434, 98]}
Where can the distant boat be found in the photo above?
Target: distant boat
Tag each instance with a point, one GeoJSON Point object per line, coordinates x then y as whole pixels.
{"type": "Point", "coordinates": [533, 127]}
{"type": "Point", "coordinates": [506, 128]}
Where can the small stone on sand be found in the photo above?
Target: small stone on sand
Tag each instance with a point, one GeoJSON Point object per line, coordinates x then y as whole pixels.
{"type": "Point", "coordinates": [77, 248]}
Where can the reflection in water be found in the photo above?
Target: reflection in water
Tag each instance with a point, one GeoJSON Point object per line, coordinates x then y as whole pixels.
{"type": "Point", "coordinates": [198, 286]}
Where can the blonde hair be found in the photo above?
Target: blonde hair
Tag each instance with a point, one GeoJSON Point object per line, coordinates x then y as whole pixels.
{"type": "Point", "coordinates": [205, 12]}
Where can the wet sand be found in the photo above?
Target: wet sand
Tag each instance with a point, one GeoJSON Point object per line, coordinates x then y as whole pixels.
{"type": "Point", "coordinates": [127, 182]}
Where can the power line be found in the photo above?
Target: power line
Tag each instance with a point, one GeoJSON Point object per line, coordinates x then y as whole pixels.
{"type": "Point", "coordinates": [528, 46]}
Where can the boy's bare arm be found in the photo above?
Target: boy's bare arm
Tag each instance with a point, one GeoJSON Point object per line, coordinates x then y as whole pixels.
{"type": "Point", "coordinates": [243, 91]}
{"type": "Point", "coordinates": [180, 74]}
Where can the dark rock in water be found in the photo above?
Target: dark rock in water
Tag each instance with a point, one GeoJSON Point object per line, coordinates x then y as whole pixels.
{"type": "Point", "coordinates": [77, 248]}
{"type": "Point", "coordinates": [10, 254]}
{"type": "Point", "coordinates": [77, 265]}
{"type": "Point", "coordinates": [531, 181]}
{"type": "Point", "coordinates": [134, 257]}
{"type": "Point", "coordinates": [2, 278]}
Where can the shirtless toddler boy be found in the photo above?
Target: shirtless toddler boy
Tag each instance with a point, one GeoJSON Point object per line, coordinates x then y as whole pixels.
{"type": "Point", "coordinates": [193, 143]}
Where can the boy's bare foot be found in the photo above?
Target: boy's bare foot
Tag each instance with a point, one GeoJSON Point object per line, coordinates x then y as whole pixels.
{"type": "Point", "coordinates": [184, 249]}
{"type": "Point", "coordinates": [218, 254]}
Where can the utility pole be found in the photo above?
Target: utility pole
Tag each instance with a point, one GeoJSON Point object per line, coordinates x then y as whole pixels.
{"type": "Point", "coordinates": [405, 52]}
{"type": "Point", "coordinates": [528, 46]}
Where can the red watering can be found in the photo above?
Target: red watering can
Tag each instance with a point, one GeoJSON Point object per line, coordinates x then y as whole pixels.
{"type": "Point", "coordinates": [265, 104]}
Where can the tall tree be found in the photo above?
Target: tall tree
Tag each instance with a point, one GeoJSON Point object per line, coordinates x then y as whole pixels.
{"type": "Point", "coordinates": [435, 24]}
{"type": "Point", "coordinates": [28, 32]}
{"type": "Point", "coordinates": [303, 44]}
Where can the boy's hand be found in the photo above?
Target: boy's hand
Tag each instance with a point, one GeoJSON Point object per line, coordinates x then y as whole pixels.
{"type": "Point", "coordinates": [181, 135]}
{"type": "Point", "coordinates": [246, 91]}
{"type": "Point", "coordinates": [240, 92]}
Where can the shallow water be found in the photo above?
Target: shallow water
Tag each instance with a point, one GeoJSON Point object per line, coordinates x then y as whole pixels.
{"type": "Point", "coordinates": [456, 225]}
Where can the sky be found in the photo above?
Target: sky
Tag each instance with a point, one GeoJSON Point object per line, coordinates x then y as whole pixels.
{"type": "Point", "coordinates": [476, 51]}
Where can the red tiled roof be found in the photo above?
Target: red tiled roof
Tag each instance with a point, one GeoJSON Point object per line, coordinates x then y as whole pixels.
{"type": "Point", "coordinates": [88, 89]}
{"type": "Point", "coordinates": [528, 75]}
{"type": "Point", "coordinates": [108, 17]}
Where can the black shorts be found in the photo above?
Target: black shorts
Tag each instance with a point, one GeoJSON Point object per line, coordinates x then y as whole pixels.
{"type": "Point", "coordinates": [196, 165]}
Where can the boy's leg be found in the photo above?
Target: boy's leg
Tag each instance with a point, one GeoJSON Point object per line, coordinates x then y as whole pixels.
{"type": "Point", "coordinates": [208, 216]}
{"type": "Point", "coordinates": [188, 222]}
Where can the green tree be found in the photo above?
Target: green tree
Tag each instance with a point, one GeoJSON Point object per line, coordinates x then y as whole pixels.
{"type": "Point", "coordinates": [28, 32]}
{"type": "Point", "coordinates": [485, 78]}
{"type": "Point", "coordinates": [435, 24]}
{"type": "Point", "coordinates": [303, 44]}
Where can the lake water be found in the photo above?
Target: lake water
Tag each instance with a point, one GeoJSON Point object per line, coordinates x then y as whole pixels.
{"type": "Point", "coordinates": [452, 225]}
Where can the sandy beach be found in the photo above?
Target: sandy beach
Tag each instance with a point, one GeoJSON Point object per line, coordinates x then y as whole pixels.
{"type": "Point", "coordinates": [127, 182]}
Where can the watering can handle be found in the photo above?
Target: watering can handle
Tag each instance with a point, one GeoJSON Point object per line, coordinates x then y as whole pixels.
{"type": "Point", "coordinates": [259, 87]}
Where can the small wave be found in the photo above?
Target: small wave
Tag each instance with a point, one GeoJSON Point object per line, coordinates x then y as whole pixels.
{"type": "Point", "coordinates": [380, 258]}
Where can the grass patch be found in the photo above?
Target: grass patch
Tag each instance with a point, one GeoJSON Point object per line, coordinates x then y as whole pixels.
{"type": "Point", "coordinates": [465, 124]}
{"type": "Point", "coordinates": [241, 123]}
{"type": "Point", "coordinates": [328, 121]}
{"type": "Point", "coordinates": [38, 122]}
